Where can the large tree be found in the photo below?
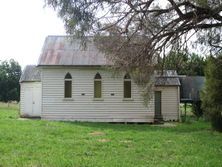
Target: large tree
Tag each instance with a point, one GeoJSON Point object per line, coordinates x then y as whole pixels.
{"type": "Point", "coordinates": [185, 64]}
{"type": "Point", "coordinates": [212, 94]}
{"type": "Point", "coordinates": [141, 30]}
{"type": "Point", "coordinates": [10, 72]}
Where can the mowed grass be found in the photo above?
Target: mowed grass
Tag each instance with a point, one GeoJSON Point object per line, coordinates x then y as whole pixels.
{"type": "Point", "coordinates": [50, 143]}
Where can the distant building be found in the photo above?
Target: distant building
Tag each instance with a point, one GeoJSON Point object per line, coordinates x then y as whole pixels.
{"type": "Point", "coordinates": [191, 87]}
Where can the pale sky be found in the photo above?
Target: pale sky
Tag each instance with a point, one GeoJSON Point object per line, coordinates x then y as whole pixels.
{"type": "Point", "coordinates": [24, 24]}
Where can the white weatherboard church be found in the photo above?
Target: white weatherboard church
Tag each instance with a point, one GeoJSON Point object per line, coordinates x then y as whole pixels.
{"type": "Point", "coordinates": [70, 83]}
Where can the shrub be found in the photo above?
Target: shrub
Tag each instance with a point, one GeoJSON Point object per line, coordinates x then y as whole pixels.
{"type": "Point", "coordinates": [216, 121]}
{"type": "Point", "coordinates": [212, 93]}
{"type": "Point", "coordinates": [196, 109]}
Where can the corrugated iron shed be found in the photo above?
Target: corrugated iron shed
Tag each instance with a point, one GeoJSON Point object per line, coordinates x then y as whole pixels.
{"type": "Point", "coordinates": [30, 74]}
{"type": "Point", "coordinates": [191, 87]}
{"type": "Point", "coordinates": [63, 50]}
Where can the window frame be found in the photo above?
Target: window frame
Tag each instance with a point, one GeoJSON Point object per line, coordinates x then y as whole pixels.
{"type": "Point", "coordinates": [68, 79]}
{"type": "Point", "coordinates": [101, 87]}
{"type": "Point", "coordinates": [126, 79]}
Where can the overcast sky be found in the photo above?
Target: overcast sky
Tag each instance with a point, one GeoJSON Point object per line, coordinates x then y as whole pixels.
{"type": "Point", "coordinates": [24, 24]}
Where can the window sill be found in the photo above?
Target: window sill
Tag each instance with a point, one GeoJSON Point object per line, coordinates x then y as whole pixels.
{"type": "Point", "coordinates": [98, 99]}
{"type": "Point", "coordinates": [68, 99]}
{"type": "Point", "coordinates": [127, 99]}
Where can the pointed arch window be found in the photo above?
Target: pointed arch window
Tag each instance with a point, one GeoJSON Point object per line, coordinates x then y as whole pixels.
{"type": "Point", "coordinates": [97, 86]}
{"type": "Point", "coordinates": [127, 86]}
{"type": "Point", "coordinates": [68, 86]}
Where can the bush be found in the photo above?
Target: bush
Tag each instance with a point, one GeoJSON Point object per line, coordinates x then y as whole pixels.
{"type": "Point", "coordinates": [212, 94]}
{"type": "Point", "coordinates": [196, 109]}
{"type": "Point", "coordinates": [216, 121]}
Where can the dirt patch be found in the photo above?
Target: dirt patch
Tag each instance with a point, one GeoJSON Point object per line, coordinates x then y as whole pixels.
{"type": "Point", "coordinates": [28, 118]}
{"type": "Point", "coordinates": [103, 140]}
{"type": "Point", "coordinates": [97, 133]}
{"type": "Point", "coordinates": [126, 141]}
{"type": "Point", "coordinates": [166, 124]}
{"type": "Point", "coordinates": [23, 119]}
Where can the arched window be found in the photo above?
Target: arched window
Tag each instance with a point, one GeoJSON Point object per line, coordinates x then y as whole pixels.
{"type": "Point", "coordinates": [127, 86]}
{"type": "Point", "coordinates": [97, 86]}
{"type": "Point", "coordinates": [68, 86]}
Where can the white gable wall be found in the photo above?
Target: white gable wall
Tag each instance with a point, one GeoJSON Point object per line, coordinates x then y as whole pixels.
{"type": "Point", "coordinates": [84, 107]}
{"type": "Point", "coordinates": [170, 100]}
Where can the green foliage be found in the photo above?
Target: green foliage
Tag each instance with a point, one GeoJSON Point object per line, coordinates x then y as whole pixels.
{"type": "Point", "coordinates": [10, 72]}
{"type": "Point", "coordinates": [195, 65]}
{"type": "Point", "coordinates": [176, 61]}
{"type": "Point", "coordinates": [50, 143]}
{"type": "Point", "coordinates": [216, 120]}
{"type": "Point", "coordinates": [185, 64]}
{"type": "Point", "coordinates": [212, 93]}
{"type": "Point", "coordinates": [196, 109]}
{"type": "Point", "coordinates": [203, 3]}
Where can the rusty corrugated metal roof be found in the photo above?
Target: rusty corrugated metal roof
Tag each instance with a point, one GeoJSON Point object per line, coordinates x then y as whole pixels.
{"type": "Point", "coordinates": [30, 74]}
{"type": "Point", "coordinates": [62, 50]}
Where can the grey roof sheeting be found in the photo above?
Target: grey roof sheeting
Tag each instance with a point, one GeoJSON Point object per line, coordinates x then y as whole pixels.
{"type": "Point", "coordinates": [167, 81]}
{"type": "Point", "coordinates": [191, 87]}
{"type": "Point", "coordinates": [64, 51]}
{"type": "Point", "coordinates": [30, 74]}
{"type": "Point", "coordinates": [166, 78]}
{"type": "Point", "coordinates": [166, 73]}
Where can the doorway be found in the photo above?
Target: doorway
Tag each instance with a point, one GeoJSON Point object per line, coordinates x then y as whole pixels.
{"type": "Point", "coordinates": [158, 109]}
{"type": "Point", "coordinates": [32, 101]}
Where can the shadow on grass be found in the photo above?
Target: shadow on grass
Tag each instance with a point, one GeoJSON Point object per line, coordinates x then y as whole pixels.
{"type": "Point", "coordinates": [192, 126]}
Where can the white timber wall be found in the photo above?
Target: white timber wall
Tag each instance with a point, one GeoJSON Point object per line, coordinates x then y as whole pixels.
{"type": "Point", "coordinates": [82, 106]}
{"type": "Point", "coordinates": [170, 100]}
{"type": "Point", "coordinates": [30, 99]}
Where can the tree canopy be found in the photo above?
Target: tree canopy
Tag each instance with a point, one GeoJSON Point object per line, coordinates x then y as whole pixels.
{"type": "Point", "coordinates": [141, 30]}
{"type": "Point", "coordinates": [10, 72]}
{"type": "Point", "coordinates": [185, 64]}
{"type": "Point", "coordinates": [212, 94]}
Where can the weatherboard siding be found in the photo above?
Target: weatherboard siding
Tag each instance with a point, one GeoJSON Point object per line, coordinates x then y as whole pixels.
{"type": "Point", "coordinates": [169, 102]}
{"type": "Point", "coordinates": [84, 107]}
{"type": "Point", "coordinates": [22, 97]}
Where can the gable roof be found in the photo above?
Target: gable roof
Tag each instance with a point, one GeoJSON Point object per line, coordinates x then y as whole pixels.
{"type": "Point", "coordinates": [30, 74]}
{"type": "Point", "coordinates": [66, 51]}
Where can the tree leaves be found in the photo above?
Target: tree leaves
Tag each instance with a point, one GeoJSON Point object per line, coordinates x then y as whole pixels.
{"type": "Point", "coordinates": [212, 93]}
{"type": "Point", "coordinates": [10, 72]}
{"type": "Point", "coordinates": [185, 64]}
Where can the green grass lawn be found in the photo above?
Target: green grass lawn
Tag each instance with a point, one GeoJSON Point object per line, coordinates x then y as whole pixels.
{"type": "Point", "coordinates": [48, 143]}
